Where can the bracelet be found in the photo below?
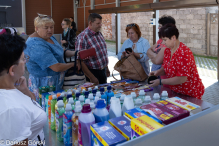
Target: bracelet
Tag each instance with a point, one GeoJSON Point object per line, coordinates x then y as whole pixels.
{"type": "Point", "coordinates": [160, 82]}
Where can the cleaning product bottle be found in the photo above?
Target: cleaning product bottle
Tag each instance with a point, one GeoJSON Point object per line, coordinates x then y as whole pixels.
{"type": "Point", "coordinates": [90, 90]}
{"type": "Point", "coordinates": [115, 108]}
{"type": "Point", "coordinates": [87, 101]}
{"type": "Point", "coordinates": [91, 97]}
{"type": "Point", "coordinates": [59, 98]}
{"type": "Point", "coordinates": [71, 101]}
{"type": "Point", "coordinates": [96, 99]}
{"type": "Point", "coordinates": [53, 103]}
{"type": "Point", "coordinates": [92, 106]}
{"type": "Point", "coordinates": [49, 109]}
{"type": "Point", "coordinates": [81, 99]}
{"type": "Point", "coordinates": [96, 87]}
{"type": "Point", "coordinates": [122, 99]}
{"type": "Point", "coordinates": [134, 96]}
{"type": "Point", "coordinates": [101, 114]}
{"type": "Point", "coordinates": [94, 91]}
{"type": "Point", "coordinates": [83, 91]}
{"type": "Point", "coordinates": [109, 94]}
{"type": "Point", "coordinates": [141, 95]}
{"type": "Point", "coordinates": [78, 103]}
{"type": "Point", "coordinates": [98, 94]}
{"type": "Point", "coordinates": [67, 125]}
{"type": "Point", "coordinates": [164, 95]}
{"type": "Point", "coordinates": [128, 104]}
{"type": "Point", "coordinates": [86, 93]}
{"type": "Point", "coordinates": [59, 120]}
{"type": "Point", "coordinates": [147, 100]}
{"type": "Point", "coordinates": [77, 96]}
{"type": "Point", "coordinates": [63, 95]}
{"type": "Point", "coordinates": [103, 95]}
{"type": "Point", "coordinates": [86, 118]}
{"type": "Point", "coordinates": [75, 125]}
{"type": "Point", "coordinates": [156, 97]}
{"type": "Point", "coordinates": [138, 103]}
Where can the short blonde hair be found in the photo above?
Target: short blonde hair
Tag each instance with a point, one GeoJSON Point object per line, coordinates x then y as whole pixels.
{"type": "Point", "coordinates": [38, 21]}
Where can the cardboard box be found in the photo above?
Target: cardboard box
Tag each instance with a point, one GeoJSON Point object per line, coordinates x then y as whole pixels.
{"type": "Point", "coordinates": [103, 134]}
{"type": "Point", "coordinates": [143, 125]}
{"type": "Point", "coordinates": [191, 107]}
{"type": "Point", "coordinates": [122, 125]}
{"type": "Point", "coordinates": [165, 116]}
{"type": "Point", "coordinates": [174, 109]}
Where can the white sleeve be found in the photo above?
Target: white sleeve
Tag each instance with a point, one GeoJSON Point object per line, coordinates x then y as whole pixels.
{"type": "Point", "coordinates": [15, 124]}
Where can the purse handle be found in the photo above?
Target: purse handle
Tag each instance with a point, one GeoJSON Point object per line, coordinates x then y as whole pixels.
{"type": "Point", "coordinates": [115, 77]}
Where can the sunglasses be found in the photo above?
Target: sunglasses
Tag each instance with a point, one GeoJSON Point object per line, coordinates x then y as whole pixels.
{"type": "Point", "coordinates": [43, 16]}
{"type": "Point", "coordinates": [130, 25]}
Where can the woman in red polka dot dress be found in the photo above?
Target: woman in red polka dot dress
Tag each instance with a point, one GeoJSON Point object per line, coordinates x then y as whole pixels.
{"type": "Point", "coordinates": [179, 65]}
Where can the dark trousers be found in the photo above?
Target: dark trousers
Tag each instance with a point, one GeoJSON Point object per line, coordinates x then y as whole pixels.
{"type": "Point", "coordinates": [99, 74]}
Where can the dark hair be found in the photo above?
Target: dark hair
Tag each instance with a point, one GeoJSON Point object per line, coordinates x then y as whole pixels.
{"type": "Point", "coordinates": [72, 18]}
{"type": "Point", "coordinates": [68, 22]}
{"type": "Point", "coordinates": [168, 31]}
{"type": "Point", "coordinates": [135, 27]}
{"type": "Point", "coordinates": [166, 19]}
{"type": "Point", "coordinates": [11, 49]}
{"type": "Point", "coordinates": [93, 16]}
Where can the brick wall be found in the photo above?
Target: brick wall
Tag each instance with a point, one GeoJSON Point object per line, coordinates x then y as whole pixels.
{"type": "Point", "coordinates": [213, 34]}
{"type": "Point", "coordinates": [107, 26]}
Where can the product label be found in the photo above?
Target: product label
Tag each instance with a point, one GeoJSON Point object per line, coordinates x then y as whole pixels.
{"type": "Point", "coordinates": [79, 134]}
{"type": "Point", "coordinates": [67, 131]}
{"type": "Point", "coordinates": [75, 130]}
{"type": "Point", "coordinates": [52, 117]}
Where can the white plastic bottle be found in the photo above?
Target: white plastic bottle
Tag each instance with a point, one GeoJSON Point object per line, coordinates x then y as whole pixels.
{"type": "Point", "coordinates": [71, 101]}
{"type": "Point", "coordinates": [92, 106]}
{"type": "Point", "coordinates": [87, 101]}
{"type": "Point", "coordinates": [91, 97]}
{"type": "Point", "coordinates": [141, 95]}
{"type": "Point", "coordinates": [156, 97]}
{"type": "Point", "coordinates": [78, 103]}
{"type": "Point", "coordinates": [164, 95]}
{"type": "Point", "coordinates": [147, 100]}
{"type": "Point", "coordinates": [81, 99]}
{"type": "Point", "coordinates": [98, 94]}
{"type": "Point", "coordinates": [138, 102]}
{"type": "Point", "coordinates": [96, 99]}
{"type": "Point", "coordinates": [115, 108]}
{"type": "Point", "coordinates": [122, 99]}
{"type": "Point", "coordinates": [128, 104]}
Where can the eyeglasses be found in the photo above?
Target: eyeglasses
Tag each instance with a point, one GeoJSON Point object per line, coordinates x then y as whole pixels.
{"type": "Point", "coordinates": [43, 16]}
{"type": "Point", "coordinates": [130, 25]}
{"type": "Point", "coordinates": [26, 58]}
{"type": "Point", "coordinates": [63, 24]}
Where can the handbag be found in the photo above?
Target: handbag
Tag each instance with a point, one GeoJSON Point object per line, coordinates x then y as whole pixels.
{"type": "Point", "coordinates": [70, 46]}
{"type": "Point", "coordinates": [130, 68]}
{"type": "Point", "coordinates": [87, 53]}
{"type": "Point", "coordinates": [73, 76]}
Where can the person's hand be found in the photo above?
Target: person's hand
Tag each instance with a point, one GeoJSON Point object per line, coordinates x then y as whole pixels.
{"type": "Point", "coordinates": [63, 41]}
{"type": "Point", "coordinates": [94, 80]}
{"type": "Point", "coordinates": [107, 72]}
{"type": "Point", "coordinates": [153, 73]}
{"type": "Point", "coordinates": [123, 54]}
{"type": "Point", "coordinates": [78, 64]}
{"type": "Point", "coordinates": [154, 83]}
{"type": "Point", "coordinates": [21, 84]}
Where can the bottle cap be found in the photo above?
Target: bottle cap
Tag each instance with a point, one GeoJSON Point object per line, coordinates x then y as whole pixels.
{"type": "Point", "coordinates": [62, 94]}
{"type": "Point", "coordinates": [68, 107]}
{"type": "Point", "coordinates": [59, 98]}
{"type": "Point", "coordinates": [156, 96]}
{"type": "Point", "coordinates": [54, 97]}
{"type": "Point", "coordinates": [138, 101]}
{"type": "Point", "coordinates": [71, 100]}
{"type": "Point", "coordinates": [92, 105]}
{"type": "Point", "coordinates": [109, 87]}
{"type": "Point", "coordinates": [164, 93]}
{"type": "Point", "coordinates": [86, 108]}
{"type": "Point", "coordinates": [133, 94]}
{"type": "Point", "coordinates": [100, 104]}
{"type": "Point", "coordinates": [141, 93]}
{"type": "Point", "coordinates": [50, 97]}
{"type": "Point", "coordinates": [78, 103]}
{"type": "Point", "coordinates": [81, 98]}
{"type": "Point", "coordinates": [122, 97]}
{"type": "Point", "coordinates": [94, 91]}
{"type": "Point", "coordinates": [87, 101]}
{"type": "Point", "coordinates": [147, 98]}
{"type": "Point", "coordinates": [89, 89]}
{"type": "Point", "coordinates": [102, 89]}
{"type": "Point", "coordinates": [83, 90]}
{"type": "Point", "coordinates": [60, 103]}
{"type": "Point", "coordinates": [78, 94]}
{"type": "Point", "coordinates": [91, 96]}
{"type": "Point", "coordinates": [77, 109]}
{"type": "Point", "coordinates": [98, 94]}
{"type": "Point", "coordinates": [69, 93]}
{"type": "Point", "coordinates": [86, 92]}
{"type": "Point", "coordinates": [96, 87]}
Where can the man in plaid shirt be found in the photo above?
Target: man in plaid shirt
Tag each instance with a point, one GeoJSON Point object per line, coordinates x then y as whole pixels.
{"type": "Point", "coordinates": [92, 38]}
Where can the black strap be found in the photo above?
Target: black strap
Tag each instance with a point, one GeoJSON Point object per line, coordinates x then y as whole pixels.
{"type": "Point", "coordinates": [38, 136]}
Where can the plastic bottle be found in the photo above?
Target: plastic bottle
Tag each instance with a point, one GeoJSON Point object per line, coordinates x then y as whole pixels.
{"type": "Point", "coordinates": [92, 106]}
{"type": "Point", "coordinates": [59, 120]}
{"type": "Point", "coordinates": [53, 103]}
{"type": "Point", "coordinates": [122, 99]}
{"type": "Point", "coordinates": [98, 94]}
{"type": "Point", "coordinates": [71, 101]}
{"type": "Point", "coordinates": [69, 95]}
{"type": "Point", "coordinates": [83, 91]}
{"type": "Point", "coordinates": [156, 97]}
{"type": "Point", "coordinates": [86, 94]}
{"type": "Point", "coordinates": [96, 87]}
{"type": "Point", "coordinates": [164, 95]}
{"type": "Point", "coordinates": [77, 96]}
{"type": "Point", "coordinates": [96, 99]}
{"type": "Point", "coordinates": [87, 101]}
{"type": "Point", "coordinates": [86, 118]}
{"type": "Point", "coordinates": [134, 96]}
{"type": "Point", "coordinates": [67, 125]}
{"type": "Point", "coordinates": [63, 95]}
{"type": "Point", "coordinates": [101, 114]}
{"type": "Point", "coordinates": [75, 125]}
{"type": "Point", "coordinates": [147, 100]}
{"type": "Point", "coordinates": [90, 90]}
{"type": "Point", "coordinates": [138, 102]}
{"type": "Point", "coordinates": [49, 109]}
{"type": "Point", "coordinates": [128, 104]}
{"type": "Point", "coordinates": [81, 99]}
{"type": "Point", "coordinates": [141, 95]}
{"type": "Point", "coordinates": [78, 103]}
{"type": "Point", "coordinates": [109, 94]}
{"type": "Point", "coordinates": [94, 91]}
{"type": "Point", "coordinates": [91, 97]}
{"type": "Point", "coordinates": [115, 108]}
{"type": "Point", "coordinates": [103, 95]}
{"type": "Point", "coordinates": [59, 98]}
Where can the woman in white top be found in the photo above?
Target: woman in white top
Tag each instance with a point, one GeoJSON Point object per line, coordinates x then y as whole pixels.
{"type": "Point", "coordinates": [22, 118]}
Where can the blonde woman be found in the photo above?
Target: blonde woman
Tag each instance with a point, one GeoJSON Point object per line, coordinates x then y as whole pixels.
{"type": "Point", "coordinates": [46, 65]}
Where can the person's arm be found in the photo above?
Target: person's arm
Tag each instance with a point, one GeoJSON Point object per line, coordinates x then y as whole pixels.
{"type": "Point", "coordinates": [158, 72]}
{"type": "Point", "coordinates": [87, 72]}
{"type": "Point", "coordinates": [69, 53]}
{"type": "Point", "coordinates": [21, 85]}
{"type": "Point", "coordinates": [121, 53]}
{"type": "Point", "coordinates": [171, 81]}
{"type": "Point", "coordinates": [156, 58]}
{"type": "Point", "coordinates": [60, 67]}
{"type": "Point", "coordinates": [107, 72]}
